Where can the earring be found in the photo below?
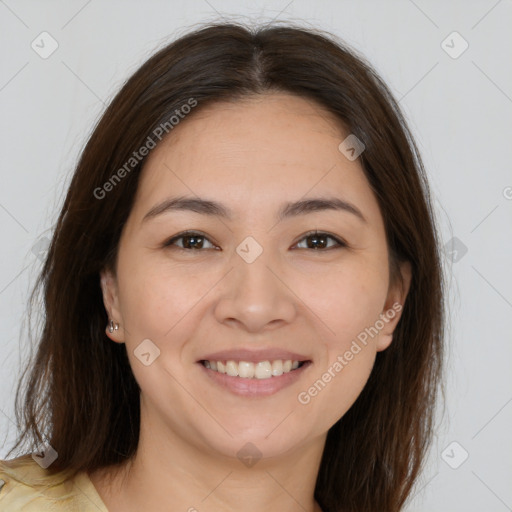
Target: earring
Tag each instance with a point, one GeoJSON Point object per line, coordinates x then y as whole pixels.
{"type": "Point", "coordinates": [113, 327]}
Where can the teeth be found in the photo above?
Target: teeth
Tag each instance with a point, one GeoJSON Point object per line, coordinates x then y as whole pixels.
{"type": "Point", "coordinates": [246, 370]}
{"type": "Point", "coordinates": [277, 368]}
{"type": "Point", "coordinates": [263, 370]}
{"type": "Point", "coordinates": [249, 370]}
{"type": "Point", "coordinates": [232, 369]}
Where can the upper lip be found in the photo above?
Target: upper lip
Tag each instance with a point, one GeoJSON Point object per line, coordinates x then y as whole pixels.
{"type": "Point", "coordinates": [253, 356]}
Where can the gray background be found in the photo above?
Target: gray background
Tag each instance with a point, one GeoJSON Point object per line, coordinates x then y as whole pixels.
{"type": "Point", "coordinates": [459, 110]}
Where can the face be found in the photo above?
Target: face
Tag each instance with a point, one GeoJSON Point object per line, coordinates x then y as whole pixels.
{"type": "Point", "coordinates": [267, 278]}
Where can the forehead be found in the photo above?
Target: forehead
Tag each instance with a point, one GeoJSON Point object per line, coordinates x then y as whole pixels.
{"type": "Point", "coordinates": [273, 126]}
{"type": "Point", "coordinates": [258, 150]}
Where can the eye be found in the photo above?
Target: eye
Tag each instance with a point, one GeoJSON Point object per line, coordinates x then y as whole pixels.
{"type": "Point", "coordinates": [191, 240]}
{"type": "Point", "coordinates": [318, 241]}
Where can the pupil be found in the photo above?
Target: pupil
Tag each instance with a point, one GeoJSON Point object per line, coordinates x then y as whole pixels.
{"type": "Point", "coordinates": [193, 239]}
{"type": "Point", "coordinates": [318, 241]}
{"type": "Point", "coordinates": [315, 239]}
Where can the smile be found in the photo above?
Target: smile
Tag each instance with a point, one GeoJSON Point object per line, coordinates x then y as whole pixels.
{"type": "Point", "coordinates": [253, 379]}
{"type": "Point", "coordinates": [253, 370]}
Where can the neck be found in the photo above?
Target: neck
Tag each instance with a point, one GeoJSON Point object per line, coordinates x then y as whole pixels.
{"type": "Point", "coordinates": [175, 475]}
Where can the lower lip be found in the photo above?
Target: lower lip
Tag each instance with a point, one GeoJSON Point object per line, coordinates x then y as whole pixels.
{"type": "Point", "coordinates": [255, 387]}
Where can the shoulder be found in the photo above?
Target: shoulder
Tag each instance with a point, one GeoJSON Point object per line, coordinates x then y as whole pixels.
{"type": "Point", "coordinates": [27, 487]}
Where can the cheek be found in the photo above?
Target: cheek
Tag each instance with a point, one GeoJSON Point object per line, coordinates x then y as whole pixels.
{"type": "Point", "coordinates": [347, 300]}
{"type": "Point", "coordinates": [342, 383]}
{"type": "Point", "coordinates": [159, 304]}
{"type": "Point", "coordinates": [349, 304]}
{"type": "Point", "coordinates": [156, 300]}
{"type": "Point", "coordinates": [339, 379]}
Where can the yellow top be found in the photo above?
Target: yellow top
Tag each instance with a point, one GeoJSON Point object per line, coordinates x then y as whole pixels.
{"type": "Point", "coordinates": [26, 487]}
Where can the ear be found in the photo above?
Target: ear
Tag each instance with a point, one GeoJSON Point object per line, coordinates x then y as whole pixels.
{"type": "Point", "coordinates": [394, 305]}
{"type": "Point", "coordinates": [109, 289]}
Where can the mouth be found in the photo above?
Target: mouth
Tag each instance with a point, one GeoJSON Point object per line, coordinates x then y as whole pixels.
{"type": "Point", "coordinates": [253, 370]}
{"type": "Point", "coordinates": [254, 374]}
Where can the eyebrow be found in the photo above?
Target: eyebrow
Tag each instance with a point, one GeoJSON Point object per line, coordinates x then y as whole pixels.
{"type": "Point", "coordinates": [288, 210]}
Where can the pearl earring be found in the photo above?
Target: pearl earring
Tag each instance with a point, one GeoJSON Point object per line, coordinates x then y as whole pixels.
{"type": "Point", "coordinates": [113, 327]}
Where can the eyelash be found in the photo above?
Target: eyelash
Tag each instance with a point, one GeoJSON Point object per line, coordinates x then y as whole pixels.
{"type": "Point", "coordinates": [171, 242]}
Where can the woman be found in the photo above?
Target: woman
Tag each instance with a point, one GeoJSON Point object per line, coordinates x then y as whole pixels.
{"type": "Point", "coordinates": [243, 293]}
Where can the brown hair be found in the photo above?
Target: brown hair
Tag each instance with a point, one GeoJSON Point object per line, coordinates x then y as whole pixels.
{"type": "Point", "coordinates": [81, 395]}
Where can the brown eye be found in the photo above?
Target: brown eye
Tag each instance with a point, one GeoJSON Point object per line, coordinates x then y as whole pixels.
{"type": "Point", "coordinates": [191, 240]}
{"type": "Point", "coordinates": [319, 240]}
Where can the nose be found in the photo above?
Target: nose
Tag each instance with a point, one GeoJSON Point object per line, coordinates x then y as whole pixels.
{"type": "Point", "coordinates": [255, 296]}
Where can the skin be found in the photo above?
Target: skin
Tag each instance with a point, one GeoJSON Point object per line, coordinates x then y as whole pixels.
{"type": "Point", "coordinates": [251, 156]}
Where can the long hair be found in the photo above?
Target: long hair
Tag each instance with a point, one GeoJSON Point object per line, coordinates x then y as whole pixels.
{"type": "Point", "coordinates": [79, 393]}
